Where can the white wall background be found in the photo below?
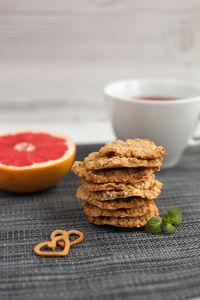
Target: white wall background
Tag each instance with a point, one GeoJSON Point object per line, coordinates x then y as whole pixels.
{"type": "Point", "coordinates": [56, 55]}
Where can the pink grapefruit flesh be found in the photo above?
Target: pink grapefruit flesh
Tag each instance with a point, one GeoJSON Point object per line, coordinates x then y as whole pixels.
{"type": "Point", "coordinates": [32, 161]}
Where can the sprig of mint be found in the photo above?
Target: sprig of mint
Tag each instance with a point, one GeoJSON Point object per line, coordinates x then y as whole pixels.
{"type": "Point", "coordinates": [172, 217]}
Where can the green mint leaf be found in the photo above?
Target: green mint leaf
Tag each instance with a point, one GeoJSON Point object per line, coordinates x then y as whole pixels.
{"type": "Point", "coordinates": [173, 216]}
{"type": "Point", "coordinates": [170, 228]}
{"type": "Point", "coordinates": [154, 225]}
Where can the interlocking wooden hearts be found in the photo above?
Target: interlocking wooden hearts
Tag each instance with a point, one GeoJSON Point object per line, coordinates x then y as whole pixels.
{"type": "Point", "coordinates": [60, 237]}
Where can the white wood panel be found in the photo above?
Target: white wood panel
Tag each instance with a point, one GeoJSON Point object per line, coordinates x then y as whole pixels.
{"type": "Point", "coordinates": [99, 30]}
{"type": "Point", "coordinates": [56, 56]}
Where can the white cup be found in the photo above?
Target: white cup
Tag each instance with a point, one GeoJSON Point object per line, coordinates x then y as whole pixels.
{"type": "Point", "coordinates": [170, 123]}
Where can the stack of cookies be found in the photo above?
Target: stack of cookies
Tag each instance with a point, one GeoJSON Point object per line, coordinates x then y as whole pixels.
{"type": "Point", "coordinates": [118, 183]}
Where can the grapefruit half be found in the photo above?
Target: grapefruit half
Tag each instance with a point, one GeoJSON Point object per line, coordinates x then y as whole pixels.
{"type": "Point", "coordinates": [33, 161]}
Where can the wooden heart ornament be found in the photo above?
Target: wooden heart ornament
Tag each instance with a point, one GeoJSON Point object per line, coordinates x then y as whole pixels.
{"type": "Point", "coordinates": [63, 236]}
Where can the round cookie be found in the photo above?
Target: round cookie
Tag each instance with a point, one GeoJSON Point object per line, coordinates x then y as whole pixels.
{"type": "Point", "coordinates": [111, 186]}
{"type": "Point", "coordinates": [94, 211]}
{"type": "Point", "coordinates": [95, 162]}
{"type": "Point", "coordinates": [131, 202]}
{"type": "Point", "coordinates": [125, 222]}
{"type": "Point", "coordinates": [142, 148]}
{"type": "Point", "coordinates": [122, 175]}
{"type": "Point", "coordinates": [151, 193]}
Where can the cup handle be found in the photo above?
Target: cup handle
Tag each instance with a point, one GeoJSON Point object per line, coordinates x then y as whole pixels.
{"type": "Point", "coordinates": [195, 141]}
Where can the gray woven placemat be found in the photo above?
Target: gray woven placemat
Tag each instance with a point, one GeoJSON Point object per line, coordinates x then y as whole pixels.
{"type": "Point", "coordinates": [111, 263]}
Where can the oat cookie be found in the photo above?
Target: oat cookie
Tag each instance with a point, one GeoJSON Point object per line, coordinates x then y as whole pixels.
{"type": "Point", "coordinates": [126, 175]}
{"type": "Point", "coordinates": [143, 185]}
{"type": "Point", "coordinates": [131, 202]}
{"type": "Point", "coordinates": [126, 221]}
{"type": "Point", "coordinates": [95, 162]}
{"type": "Point", "coordinates": [152, 193]}
{"type": "Point", "coordinates": [142, 148]}
{"type": "Point", "coordinates": [94, 211]}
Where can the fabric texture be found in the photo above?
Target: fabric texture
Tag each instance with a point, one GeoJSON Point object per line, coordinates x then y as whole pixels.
{"type": "Point", "coordinates": [111, 263]}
